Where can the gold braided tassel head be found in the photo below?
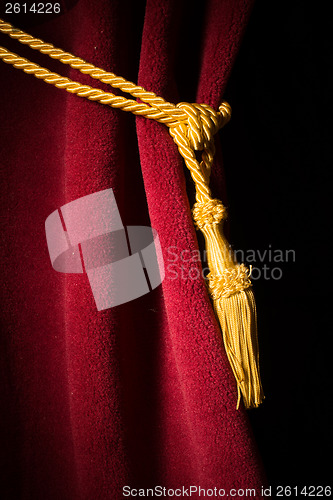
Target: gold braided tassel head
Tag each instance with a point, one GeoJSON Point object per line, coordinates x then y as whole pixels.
{"type": "Point", "coordinates": [229, 285]}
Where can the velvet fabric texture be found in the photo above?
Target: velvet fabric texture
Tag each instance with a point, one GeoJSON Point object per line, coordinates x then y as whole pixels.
{"type": "Point", "coordinates": [141, 394]}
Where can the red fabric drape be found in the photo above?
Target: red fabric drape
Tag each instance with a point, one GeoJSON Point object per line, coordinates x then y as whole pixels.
{"type": "Point", "coordinates": [141, 394]}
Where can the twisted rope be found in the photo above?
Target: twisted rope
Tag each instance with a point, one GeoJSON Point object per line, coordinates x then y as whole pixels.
{"type": "Point", "coordinates": [192, 126]}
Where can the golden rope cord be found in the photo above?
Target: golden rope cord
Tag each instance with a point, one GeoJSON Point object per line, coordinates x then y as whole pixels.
{"type": "Point", "coordinates": [90, 69]}
{"type": "Point", "coordinates": [192, 126]}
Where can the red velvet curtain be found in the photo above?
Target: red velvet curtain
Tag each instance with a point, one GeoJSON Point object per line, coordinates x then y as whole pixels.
{"type": "Point", "coordinates": [141, 394]}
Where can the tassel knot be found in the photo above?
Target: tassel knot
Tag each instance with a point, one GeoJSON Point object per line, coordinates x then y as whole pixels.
{"type": "Point", "coordinates": [229, 282]}
{"type": "Point", "coordinates": [209, 212]}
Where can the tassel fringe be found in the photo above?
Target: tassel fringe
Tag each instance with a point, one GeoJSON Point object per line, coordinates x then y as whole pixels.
{"type": "Point", "coordinates": [237, 317]}
{"type": "Point", "coordinates": [229, 285]}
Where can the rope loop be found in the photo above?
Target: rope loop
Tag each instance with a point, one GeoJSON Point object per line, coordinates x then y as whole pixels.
{"type": "Point", "coordinates": [194, 131]}
{"type": "Point", "coordinates": [225, 110]}
{"type": "Point", "coordinates": [202, 123]}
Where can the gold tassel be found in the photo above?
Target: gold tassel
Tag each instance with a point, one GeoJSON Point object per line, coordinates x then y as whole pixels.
{"type": "Point", "coordinates": [230, 289]}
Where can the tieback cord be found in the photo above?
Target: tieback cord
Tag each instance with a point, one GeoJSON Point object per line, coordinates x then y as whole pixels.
{"type": "Point", "coordinates": [192, 127]}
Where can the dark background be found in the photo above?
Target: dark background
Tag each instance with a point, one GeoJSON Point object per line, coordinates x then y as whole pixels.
{"type": "Point", "coordinates": [277, 156]}
{"type": "Point", "coordinates": [277, 151]}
